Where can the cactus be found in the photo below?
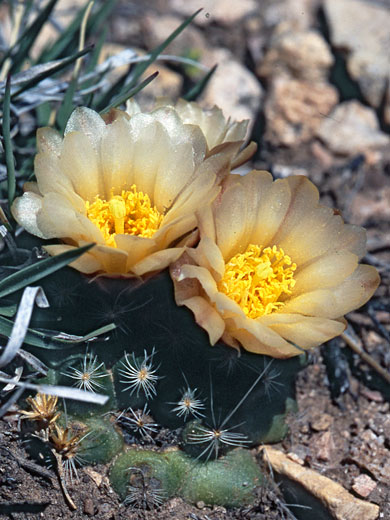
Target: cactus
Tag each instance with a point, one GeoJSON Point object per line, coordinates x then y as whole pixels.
{"type": "Point", "coordinates": [159, 371]}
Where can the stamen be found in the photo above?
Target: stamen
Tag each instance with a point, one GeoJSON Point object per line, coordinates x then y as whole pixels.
{"type": "Point", "coordinates": [257, 279]}
{"type": "Point", "coordinates": [130, 213]}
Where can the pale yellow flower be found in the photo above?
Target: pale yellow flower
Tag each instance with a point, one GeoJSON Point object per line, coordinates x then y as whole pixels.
{"type": "Point", "coordinates": [275, 271]}
{"type": "Point", "coordinates": [131, 183]}
{"type": "Point", "coordinates": [222, 135]}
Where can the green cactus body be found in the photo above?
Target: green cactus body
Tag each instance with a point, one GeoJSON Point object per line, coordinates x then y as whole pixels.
{"type": "Point", "coordinates": [160, 361]}
{"type": "Point", "coordinates": [229, 481]}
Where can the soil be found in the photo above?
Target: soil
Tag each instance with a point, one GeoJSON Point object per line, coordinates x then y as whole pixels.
{"type": "Point", "coordinates": [342, 429]}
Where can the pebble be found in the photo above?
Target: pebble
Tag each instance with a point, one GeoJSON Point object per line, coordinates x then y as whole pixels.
{"type": "Point", "coordinates": [324, 446]}
{"type": "Point", "coordinates": [300, 54]}
{"type": "Point", "coordinates": [352, 128]}
{"type": "Point", "coordinates": [372, 395]}
{"type": "Point", "coordinates": [295, 109]}
{"type": "Point", "coordinates": [360, 29]}
{"type": "Point", "coordinates": [88, 508]}
{"type": "Point", "coordinates": [363, 485]}
{"type": "Point", "coordinates": [241, 96]}
{"type": "Point", "coordinates": [321, 422]}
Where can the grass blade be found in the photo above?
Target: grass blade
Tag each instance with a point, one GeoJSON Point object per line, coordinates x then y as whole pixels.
{"type": "Point", "coordinates": [37, 271]}
{"type": "Point", "coordinates": [130, 92]}
{"type": "Point", "coordinates": [9, 156]}
{"type": "Point", "coordinates": [56, 68]}
{"type": "Point", "coordinates": [50, 340]}
{"type": "Point", "coordinates": [67, 43]}
{"type": "Point", "coordinates": [29, 36]}
{"type": "Point", "coordinates": [199, 87]}
{"type": "Point", "coordinates": [142, 66]}
{"type": "Point", "coordinates": [66, 107]}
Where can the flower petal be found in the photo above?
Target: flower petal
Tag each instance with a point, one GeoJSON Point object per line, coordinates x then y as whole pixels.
{"type": "Point", "coordinates": [49, 141]}
{"type": "Point", "coordinates": [328, 271]}
{"type": "Point", "coordinates": [236, 214]}
{"type": "Point", "coordinates": [116, 158]}
{"type": "Point", "coordinates": [356, 290]}
{"type": "Point", "coordinates": [89, 122]}
{"type": "Point", "coordinates": [87, 263]}
{"type": "Point", "coordinates": [305, 331]}
{"type": "Point", "coordinates": [25, 210]}
{"type": "Point", "coordinates": [51, 179]}
{"type": "Point", "coordinates": [206, 317]}
{"type": "Point", "coordinates": [113, 260]}
{"type": "Point", "coordinates": [203, 276]}
{"type": "Point", "coordinates": [207, 254]}
{"type": "Point", "coordinates": [310, 230]}
{"type": "Point", "coordinates": [334, 302]}
{"type": "Point", "coordinates": [256, 337]}
{"type": "Point", "coordinates": [79, 162]}
{"type": "Point", "coordinates": [136, 247]}
{"type": "Point", "coordinates": [57, 218]}
{"type": "Point", "coordinates": [157, 261]}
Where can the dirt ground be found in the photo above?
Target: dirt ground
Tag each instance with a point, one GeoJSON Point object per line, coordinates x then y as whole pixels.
{"type": "Point", "coordinates": [342, 429]}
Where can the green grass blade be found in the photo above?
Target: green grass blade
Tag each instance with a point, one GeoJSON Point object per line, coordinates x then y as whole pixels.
{"type": "Point", "coordinates": [9, 156]}
{"type": "Point", "coordinates": [67, 43]}
{"type": "Point", "coordinates": [67, 37]}
{"type": "Point", "coordinates": [56, 68]}
{"type": "Point", "coordinates": [197, 89]}
{"type": "Point", "coordinates": [66, 106]}
{"type": "Point", "coordinates": [35, 272]}
{"type": "Point", "coordinates": [8, 310]}
{"type": "Point", "coordinates": [142, 66]}
{"type": "Point", "coordinates": [114, 91]}
{"type": "Point", "coordinates": [29, 36]}
{"type": "Point", "coordinates": [46, 340]}
{"type": "Point", "coordinates": [130, 92]}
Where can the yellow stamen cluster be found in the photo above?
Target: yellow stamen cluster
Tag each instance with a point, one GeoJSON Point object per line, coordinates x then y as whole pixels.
{"type": "Point", "coordinates": [130, 213]}
{"type": "Point", "coordinates": [257, 278]}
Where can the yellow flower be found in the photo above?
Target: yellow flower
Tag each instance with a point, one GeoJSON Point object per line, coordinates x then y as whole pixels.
{"type": "Point", "coordinates": [274, 268]}
{"type": "Point", "coordinates": [131, 183]}
{"type": "Point", "coordinates": [223, 136]}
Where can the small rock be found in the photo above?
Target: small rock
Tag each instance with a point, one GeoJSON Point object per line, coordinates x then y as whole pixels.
{"type": "Point", "coordinates": [321, 422]}
{"type": "Point", "coordinates": [368, 452]}
{"type": "Point", "coordinates": [295, 109]}
{"type": "Point", "coordinates": [362, 29]}
{"type": "Point", "coordinates": [372, 395]}
{"type": "Point", "coordinates": [200, 504]}
{"type": "Point", "coordinates": [352, 128]}
{"type": "Point", "coordinates": [216, 10]}
{"type": "Point", "coordinates": [324, 446]}
{"type": "Point", "coordinates": [380, 424]}
{"type": "Point", "coordinates": [88, 508]}
{"type": "Point", "coordinates": [341, 504]}
{"type": "Point", "coordinates": [301, 14]}
{"type": "Point", "coordinates": [233, 88]}
{"type": "Point", "coordinates": [363, 485]}
{"type": "Point", "coordinates": [303, 55]}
